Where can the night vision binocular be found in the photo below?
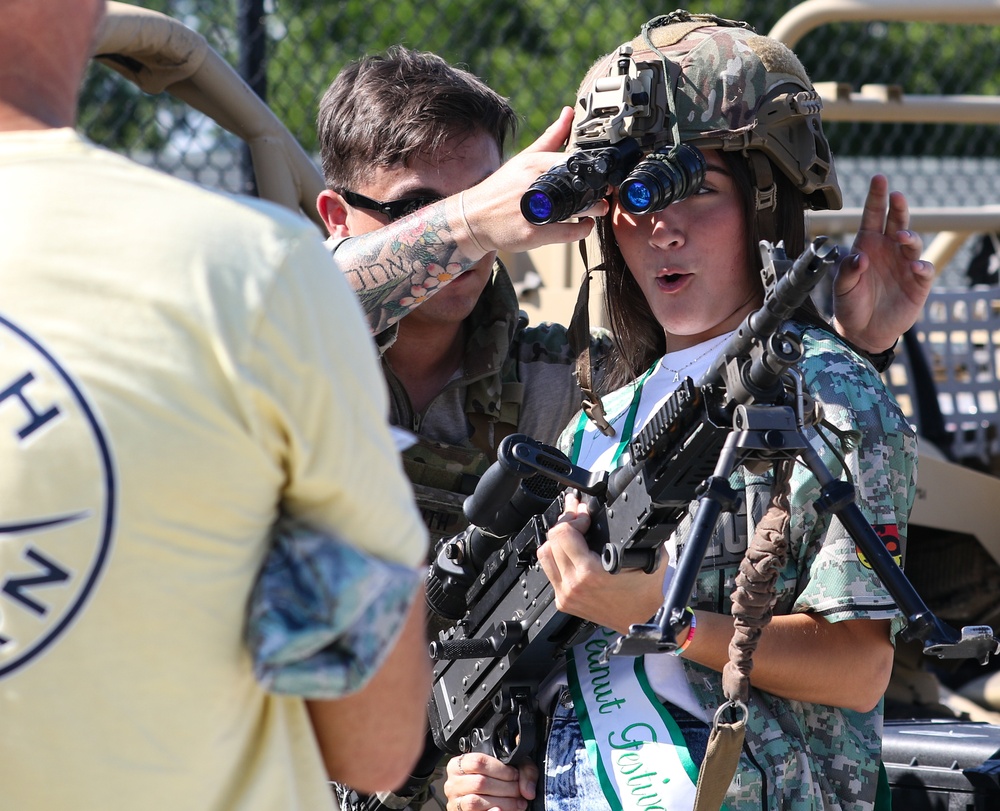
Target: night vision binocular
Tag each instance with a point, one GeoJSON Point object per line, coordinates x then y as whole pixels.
{"type": "Point", "coordinates": [645, 185]}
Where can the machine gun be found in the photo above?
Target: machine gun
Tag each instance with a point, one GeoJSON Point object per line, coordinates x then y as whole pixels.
{"type": "Point", "coordinates": [507, 635]}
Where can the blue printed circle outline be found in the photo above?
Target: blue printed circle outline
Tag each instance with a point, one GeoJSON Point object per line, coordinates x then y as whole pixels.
{"type": "Point", "coordinates": [101, 558]}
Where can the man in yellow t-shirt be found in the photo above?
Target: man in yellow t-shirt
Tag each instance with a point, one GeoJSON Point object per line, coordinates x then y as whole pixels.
{"type": "Point", "coordinates": [177, 367]}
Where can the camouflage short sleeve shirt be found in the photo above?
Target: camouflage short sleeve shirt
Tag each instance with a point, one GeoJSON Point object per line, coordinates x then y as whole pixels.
{"type": "Point", "coordinates": [797, 755]}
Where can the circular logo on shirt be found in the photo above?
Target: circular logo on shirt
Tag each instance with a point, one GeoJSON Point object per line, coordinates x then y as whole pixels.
{"type": "Point", "coordinates": [57, 496]}
{"type": "Point", "coordinates": [889, 535]}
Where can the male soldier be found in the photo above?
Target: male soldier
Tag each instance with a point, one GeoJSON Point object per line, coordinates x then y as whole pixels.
{"type": "Point", "coordinates": [463, 367]}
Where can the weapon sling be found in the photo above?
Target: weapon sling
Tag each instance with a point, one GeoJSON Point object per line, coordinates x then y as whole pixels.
{"type": "Point", "coordinates": [752, 598]}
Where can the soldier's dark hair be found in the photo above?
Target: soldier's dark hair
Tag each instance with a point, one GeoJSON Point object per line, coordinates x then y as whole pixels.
{"type": "Point", "coordinates": [639, 338]}
{"type": "Point", "coordinates": [384, 110]}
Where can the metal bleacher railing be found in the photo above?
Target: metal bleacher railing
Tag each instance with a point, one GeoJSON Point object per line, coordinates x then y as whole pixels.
{"type": "Point", "coordinates": [888, 103]}
{"type": "Point", "coordinates": [947, 377]}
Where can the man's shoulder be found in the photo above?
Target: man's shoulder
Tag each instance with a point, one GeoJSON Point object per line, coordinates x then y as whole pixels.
{"type": "Point", "coordinates": [190, 217]}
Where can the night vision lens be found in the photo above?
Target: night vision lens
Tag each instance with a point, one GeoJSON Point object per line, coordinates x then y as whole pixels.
{"type": "Point", "coordinates": [636, 196]}
{"type": "Point", "coordinates": [557, 195]}
{"type": "Point", "coordinates": [664, 177]}
{"type": "Point", "coordinates": [571, 187]}
{"type": "Point", "coordinates": [540, 207]}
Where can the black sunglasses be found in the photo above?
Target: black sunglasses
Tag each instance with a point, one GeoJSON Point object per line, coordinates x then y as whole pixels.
{"type": "Point", "coordinates": [394, 209]}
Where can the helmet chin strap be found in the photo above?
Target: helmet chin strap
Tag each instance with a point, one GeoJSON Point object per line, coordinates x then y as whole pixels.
{"type": "Point", "coordinates": [765, 195]}
{"type": "Point", "coordinates": [579, 342]}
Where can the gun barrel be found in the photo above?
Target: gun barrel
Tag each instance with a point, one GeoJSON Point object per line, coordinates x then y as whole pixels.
{"type": "Point", "coordinates": [795, 286]}
{"type": "Point", "coordinates": [753, 336]}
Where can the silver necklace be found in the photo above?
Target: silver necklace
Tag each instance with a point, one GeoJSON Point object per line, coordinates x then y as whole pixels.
{"type": "Point", "coordinates": [677, 372]}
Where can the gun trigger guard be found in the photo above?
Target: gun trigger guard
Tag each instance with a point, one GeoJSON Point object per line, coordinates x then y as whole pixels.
{"type": "Point", "coordinates": [512, 734]}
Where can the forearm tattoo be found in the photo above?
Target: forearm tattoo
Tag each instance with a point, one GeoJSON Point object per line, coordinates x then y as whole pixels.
{"type": "Point", "coordinates": [396, 268]}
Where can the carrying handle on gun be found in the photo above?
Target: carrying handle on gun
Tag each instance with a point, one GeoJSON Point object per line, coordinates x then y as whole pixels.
{"type": "Point", "coordinates": [498, 484]}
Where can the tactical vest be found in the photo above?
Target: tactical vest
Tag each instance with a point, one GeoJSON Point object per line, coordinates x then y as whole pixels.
{"type": "Point", "coordinates": [443, 474]}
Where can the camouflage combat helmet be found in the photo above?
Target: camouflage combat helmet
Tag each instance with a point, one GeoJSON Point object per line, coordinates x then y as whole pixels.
{"type": "Point", "coordinates": [726, 88]}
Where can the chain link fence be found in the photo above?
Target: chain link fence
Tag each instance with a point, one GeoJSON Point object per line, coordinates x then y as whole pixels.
{"type": "Point", "coordinates": [535, 52]}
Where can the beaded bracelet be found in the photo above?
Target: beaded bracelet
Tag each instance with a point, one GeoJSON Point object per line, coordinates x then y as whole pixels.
{"type": "Point", "coordinates": [690, 634]}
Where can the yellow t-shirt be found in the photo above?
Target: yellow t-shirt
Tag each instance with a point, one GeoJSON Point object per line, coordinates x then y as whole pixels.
{"type": "Point", "coordinates": [174, 363]}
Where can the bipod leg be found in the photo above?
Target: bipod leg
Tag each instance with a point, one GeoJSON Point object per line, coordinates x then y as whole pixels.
{"type": "Point", "coordinates": [940, 639]}
{"type": "Point", "coordinates": [714, 497]}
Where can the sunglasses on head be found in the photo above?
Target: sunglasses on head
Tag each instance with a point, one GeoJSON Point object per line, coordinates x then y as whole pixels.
{"type": "Point", "coordinates": [394, 209]}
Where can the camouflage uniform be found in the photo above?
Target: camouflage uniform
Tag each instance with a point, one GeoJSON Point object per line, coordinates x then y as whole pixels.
{"type": "Point", "coordinates": [798, 755]}
{"type": "Point", "coordinates": [515, 378]}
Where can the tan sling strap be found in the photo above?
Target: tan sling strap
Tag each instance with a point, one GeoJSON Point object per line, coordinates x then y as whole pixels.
{"type": "Point", "coordinates": [158, 53]}
{"type": "Point", "coordinates": [753, 598]}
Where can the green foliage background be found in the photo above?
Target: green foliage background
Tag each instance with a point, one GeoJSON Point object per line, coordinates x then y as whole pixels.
{"type": "Point", "coordinates": [535, 52]}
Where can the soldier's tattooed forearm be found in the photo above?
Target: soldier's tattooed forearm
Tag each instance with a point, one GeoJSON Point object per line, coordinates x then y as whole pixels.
{"type": "Point", "coordinates": [396, 268]}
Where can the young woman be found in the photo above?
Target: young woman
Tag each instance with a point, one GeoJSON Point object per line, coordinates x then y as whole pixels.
{"type": "Point", "coordinates": [679, 281]}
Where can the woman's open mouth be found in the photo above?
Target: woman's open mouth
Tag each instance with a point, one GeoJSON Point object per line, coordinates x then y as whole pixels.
{"type": "Point", "coordinates": [670, 282]}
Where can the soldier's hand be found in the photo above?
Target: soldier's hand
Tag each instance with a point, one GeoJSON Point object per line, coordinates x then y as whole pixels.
{"type": "Point", "coordinates": [581, 584]}
{"type": "Point", "coordinates": [493, 207]}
